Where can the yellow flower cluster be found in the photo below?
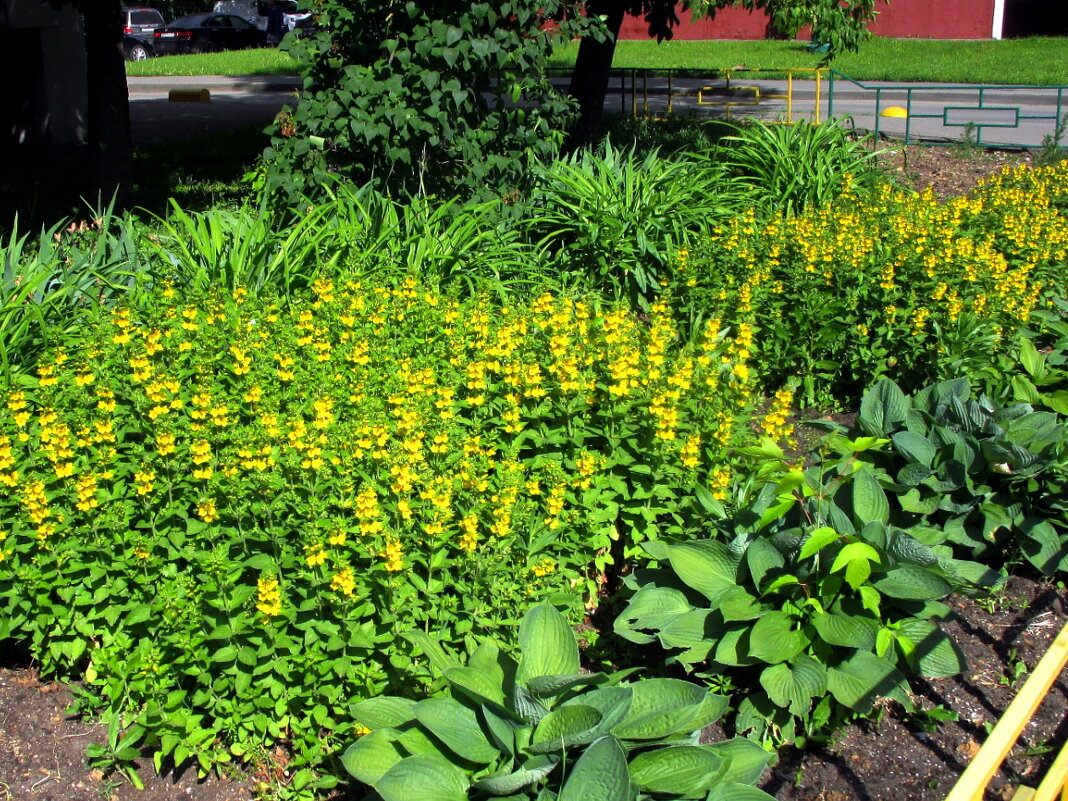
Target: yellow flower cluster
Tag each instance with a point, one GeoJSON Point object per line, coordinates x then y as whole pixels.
{"type": "Point", "coordinates": [268, 596]}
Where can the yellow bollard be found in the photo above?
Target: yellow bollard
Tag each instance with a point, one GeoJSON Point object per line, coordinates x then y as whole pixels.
{"type": "Point", "coordinates": [189, 96]}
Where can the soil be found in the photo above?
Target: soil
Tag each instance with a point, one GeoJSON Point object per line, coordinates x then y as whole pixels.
{"type": "Point", "coordinates": [42, 747]}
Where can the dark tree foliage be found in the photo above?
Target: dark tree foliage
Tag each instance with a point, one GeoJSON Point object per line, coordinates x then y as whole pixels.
{"type": "Point", "coordinates": [424, 95]}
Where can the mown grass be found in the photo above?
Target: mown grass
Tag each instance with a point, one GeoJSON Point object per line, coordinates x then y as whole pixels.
{"type": "Point", "coordinates": [1041, 61]}
{"type": "Point", "coordinates": [1037, 60]}
{"type": "Point", "coordinates": [263, 61]}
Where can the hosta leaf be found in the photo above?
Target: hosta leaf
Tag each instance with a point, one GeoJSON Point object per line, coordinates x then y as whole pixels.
{"type": "Point", "coordinates": [733, 648]}
{"type": "Point", "coordinates": [680, 771]}
{"type": "Point", "coordinates": [612, 702]}
{"type": "Point", "coordinates": [600, 774]}
{"type": "Point", "coordinates": [552, 686]}
{"type": "Point", "coordinates": [746, 760]}
{"type": "Point", "coordinates": [882, 408]}
{"type": "Point", "coordinates": [762, 557]}
{"type": "Point", "coordinates": [368, 759]}
{"type": "Point", "coordinates": [423, 777]}
{"type": "Point", "coordinates": [933, 653]}
{"type": "Point", "coordinates": [563, 727]}
{"type": "Point", "coordinates": [869, 499]}
{"type": "Point", "coordinates": [458, 727]}
{"type": "Point", "coordinates": [660, 708]}
{"type": "Point", "coordinates": [650, 609]}
{"type": "Point", "coordinates": [695, 628]}
{"type": "Point", "coordinates": [846, 631]}
{"type": "Point", "coordinates": [913, 583]}
{"type": "Point", "coordinates": [739, 792]}
{"type": "Point", "coordinates": [864, 678]}
{"type": "Point", "coordinates": [476, 683]}
{"type": "Point", "coordinates": [737, 604]}
{"type": "Point", "coordinates": [531, 772]}
{"type": "Point", "coordinates": [526, 706]}
{"type": "Point", "coordinates": [912, 474]}
{"type": "Point", "coordinates": [914, 447]}
{"type": "Point", "coordinates": [547, 644]}
{"type": "Point", "coordinates": [794, 685]}
{"type": "Point", "coordinates": [773, 638]}
{"type": "Point", "coordinates": [707, 566]}
{"type": "Point", "coordinates": [383, 712]}
{"type": "Point", "coordinates": [1043, 546]}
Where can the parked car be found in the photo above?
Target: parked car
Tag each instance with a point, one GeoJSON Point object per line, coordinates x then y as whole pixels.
{"type": "Point", "coordinates": [141, 23]}
{"type": "Point", "coordinates": [291, 13]}
{"type": "Point", "coordinates": [201, 33]}
{"type": "Point", "coordinates": [134, 49]}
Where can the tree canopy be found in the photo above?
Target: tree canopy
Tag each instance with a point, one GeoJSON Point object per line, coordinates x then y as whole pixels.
{"type": "Point", "coordinates": [425, 95]}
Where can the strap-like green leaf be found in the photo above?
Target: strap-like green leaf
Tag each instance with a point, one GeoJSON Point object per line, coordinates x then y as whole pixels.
{"type": "Point", "coordinates": [680, 771]}
{"type": "Point", "coordinates": [458, 727]}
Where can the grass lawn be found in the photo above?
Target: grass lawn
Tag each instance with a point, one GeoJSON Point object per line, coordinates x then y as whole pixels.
{"type": "Point", "coordinates": [1042, 61]}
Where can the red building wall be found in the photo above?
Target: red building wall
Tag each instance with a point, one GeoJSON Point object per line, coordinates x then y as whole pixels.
{"type": "Point", "coordinates": [922, 19]}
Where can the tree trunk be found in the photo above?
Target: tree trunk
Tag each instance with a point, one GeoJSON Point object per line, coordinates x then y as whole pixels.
{"type": "Point", "coordinates": [589, 80]}
{"type": "Point", "coordinates": [110, 142]}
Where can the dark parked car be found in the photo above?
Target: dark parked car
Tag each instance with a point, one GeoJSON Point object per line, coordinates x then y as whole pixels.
{"type": "Point", "coordinates": [134, 49]}
{"type": "Point", "coordinates": [141, 22]}
{"type": "Point", "coordinates": [202, 33]}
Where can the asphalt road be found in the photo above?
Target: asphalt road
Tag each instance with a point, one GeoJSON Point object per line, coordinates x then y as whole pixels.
{"type": "Point", "coordinates": [1009, 116]}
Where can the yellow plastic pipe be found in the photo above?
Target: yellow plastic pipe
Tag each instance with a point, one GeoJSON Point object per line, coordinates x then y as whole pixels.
{"type": "Point", "coordinates": [973, 781]}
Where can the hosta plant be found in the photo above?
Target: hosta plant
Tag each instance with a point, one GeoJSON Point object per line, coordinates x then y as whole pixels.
{"type": "Point", "coordinates": [539, 727]}
{"type": "Point", "coordinates": [809, 599]}
{"type": "Point", "coordinates": [984, 478]}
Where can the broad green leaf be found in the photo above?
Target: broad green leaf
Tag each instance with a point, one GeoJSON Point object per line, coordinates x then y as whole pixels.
{"type": "Point", "coordinates": [737, 604]}
{"type": "Point", "coordinates": [438, 656]}
{"type": "Point", "coordinates": [1043, 546]}
{"type": "Point", "coordinates": [933, 653]}
{"type": "Point", "coordinates": [600, 774]}
{"type": "Point", "coordinates": [733, 648]}
{"type": "Point", "coordinates": [612, 702]}
{"type": "Point", "coordinates": [817, 540]}
{"type": "Point", "coordinates": [552, 686]}
{"type": "Point", "coordinates": [915, 447]}
{"type": "Point", "coordinates": [458, 727]}
{"type": "Point", "coordinates": [861, 680]}
{"type": "Point", "coordinates": [869, 499]}
{"type": "Point", "coordinates": [882, 408]}
{"type": "Point", "coordinates": [681, 771]}
{"type": "Point", "coordinates": [846, 631]}
{"type": "Point", "coordinates": [855, 551]}
{"type": "Point", "coordinates": [762, 557]}
{"type": "Point", "coordinates": [368, 759]}
{"type": "Point", "coordinates": [423, 777]}
{"type": "Point", "coordinates": [913, 583]}
{"type": "Point", "coordinates": [547, 644]}
{"type": "Point", "coordinates": [794, 685]}
{"type": "Point", "coordinates": [565, 726]}
{"type": "Point", "coordinates": [660, 708]}
{"type": "Point", "coordinates": [476, 683]}
{"type": "Point", "coordinates": [706, 565]}
{"type": "Point", "coordinates": [695, 628]}
{"type": "Point", "coordinates": [773, 638]}
{"type": "Point", "coordinates": [739, 792]}
{"type": "Point", "coordinates": [746, 760]}
{"type": "Point", "coordinates": [531, 772]}
{"type": "Point", "coordinates": [383, 712]}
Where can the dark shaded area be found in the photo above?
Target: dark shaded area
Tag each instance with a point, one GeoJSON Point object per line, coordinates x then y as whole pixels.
{"type": "Point", "coordinates": [1035, 18]}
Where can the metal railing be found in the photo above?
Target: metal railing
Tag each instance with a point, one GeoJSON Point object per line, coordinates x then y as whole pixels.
{"type": "Point", "coordinates": [973, 108]}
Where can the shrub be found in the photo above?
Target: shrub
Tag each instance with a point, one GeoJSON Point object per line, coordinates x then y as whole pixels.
{"type": "Point", "coordinates": [221, 509]}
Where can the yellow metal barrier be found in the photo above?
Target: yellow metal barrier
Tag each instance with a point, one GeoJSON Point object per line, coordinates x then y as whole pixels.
{"type": "Point", "coordinates": [973, 781]}
{"type": "Point", "coordinates": [757, 94]}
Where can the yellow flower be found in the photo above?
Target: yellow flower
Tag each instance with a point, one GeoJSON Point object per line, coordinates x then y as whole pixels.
{"type": "Point", "coordinates": [393, 555]}
{"type": "Point", "coordinates": [269, 597]}
{"type": "Point", "coordinates": [344, 582]}
{"type": "Point", "coordinates": [543, 568]}
{"type": "Point", "coordinates": [207, 511]}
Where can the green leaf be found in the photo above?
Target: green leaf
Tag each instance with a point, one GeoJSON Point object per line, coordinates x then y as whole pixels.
{"type": "Point", "coordinates": [915, 447]}
{"type": "Point", "coordinates": [660, 708]}
{"type": "Point", "coordinates": [773, 638]}
{"type": "Point", "coordinates": [707, 566]}
{"type": "Point", "coordinates": [546, 644]}
{"type": "Point", "coordinates": [846, 631]}
{"type": "Point", "coordinates": [476, 683]}
{"type": "Point", "coordinates": [869, 499]}
{"type": "Point", "coordinates": [458, 727]}
{"type": "Point", "coordinates": [882, 408]}
{"type": "Point", "coordinates": [817, 540]}
{"type": "Point", "coordinates": [746, 760]}
{"type": "Point", "coordinates": [739, 792]}
{"type": "Point", "coordinates": [563, 727]}
{"type": "Point", "coordinates": [861, 680]}
{"type": "Point", "coordinates": [762, 557]}
{"type": "Point", "coordinates": [794, 685]}
{"type": "Point", "coordinates": [531, 772]}
{"type": "Point", "coordinates": [383, 712]}
{"type": "Point", "coordinates": [682, 770]}
{"type": "Point", "coordinates": [552, 686]}
{"type": "Point", "coordinates": [933, 653]}
{"type": "Point", "coordinates": [913, 584]}
{"type": "Point", "coordinates": [423, 777]}
{"type": "Point", "coordinates": [600, 774]}
{"type": "Point", "coordinates": [371, 756]}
